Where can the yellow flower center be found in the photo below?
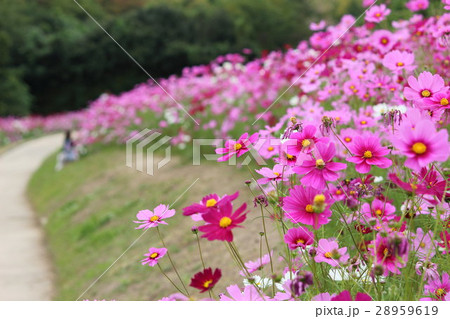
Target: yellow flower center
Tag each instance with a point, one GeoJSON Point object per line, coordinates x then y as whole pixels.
{"type": "Point", "coordinates": [347, 139]}
{"type": "Point", "coordinates": [207, 283]}
{"type": "Point", "coordinates": [154, 218]}
{"type": "Point", "coordinates": [211, 202]}
{"type": "Point", "coordinates": [300, 241]}
{"type": "Point", "coordinates": [386, 252]}
{"type": "Point", "coordinates": [384, 40]}
{"type": "Point", "coordinates": [327, 254]}
{"type": "Point", "coordinates": [309, 208]}
{"type": "Point", "coordinates": [338, 192]}
{"type": "Point", "coordinates": [225, 222]}
{"type": "Point", "coordinates": [363, 122]}
{"type": "Point", "coordinates": [378, 15]}
{"type": "Point", "coordinates": [319, 199]}
{"type": "Point", "coordinates": [379, 212]}
{"type": "Point", "coordinates": [320, 163]}
{"type": "Point", "coordinates": [154, 255]}
{"type": "Point", "coordinates": [306, 143]}
{"type": "Point", "coordinates": [419, 148]}
{"type": "Point", "coordinates": [270, 148]}
{"type": "Point", "coordinates": [444, 102]}
{"type": "Point", "coordinates": [400, 64]}
{"type": "Point", "coordinates": [426, 93]}
{"type": "Point", "coordinates": [289, 156]}
{"type": "Point", "coordinates": [337, 118]}
{"type": "Point", "coordinates": [276, 173]}
{"type": "Point", "coordinates": [422, 245]}
{"type": "Point", "coordinates": [237, 146]}
{"type": "Point", "coordinates": [368, 154]}
{"type": "Point", "coordinates": [440, 292]}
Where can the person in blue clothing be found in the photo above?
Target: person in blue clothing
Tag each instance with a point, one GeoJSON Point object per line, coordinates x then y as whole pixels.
{"type": "Point", "coordinates": [69, 152]}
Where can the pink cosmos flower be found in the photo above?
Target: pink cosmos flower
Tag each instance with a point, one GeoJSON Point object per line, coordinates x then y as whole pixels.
{"type": "Point", "coordinates": [323, 297]}
{"type": "Point", "coordinates": [439, 101]}
{"type": "Point", "coordinates": [423, 244]}
{"type": "Point", "coordinates": [154, 254]}
{"type": "Point", "coordinates": [417, 5]}
{"type": "Point", "coordinates": [425, 86]}
{"type": "Point", "coordinates": [303, 141]}
{"type": "Point", "coordinates": [438, 289]}
{"type": "Point", "coordinates": [322, 169]}
{"type": "Point", "coordinates": [249, 294]}
{"type": "Point", "coordinates": [428, 269]}
{"type": "Point", "coordinates": [383, 40]}
{"type": "Point", "coordinates": [299, 237]}
{"type": "Point", "coordinates": [328, 251]}
{"type": "Point", "coordinates": [150, 219]}
{"type": "Point", "coordinates": [307, 206]}
{"type": "Point", "coordinates": [446, 4]}
{"type": "Point", "coordinates": [377, 13]}
{"type": "Point", "coordinates": [397, 61]}
{"type": "Point", "coordinates": [379, 209]}
{"type": "Point", "coordinates": [221, 222]}
{"type": "Point", "coordinates": [258, 264]}
{"type": "Point", "coordinates": [422, 144]}
{"type": "Point", "coordinates": [346, 296]}
{"type": "Point", "coordinates": [367, 151]}
{"type": "Point", "coordinates": [391, 252]}
{"type": "Point", "coordinates": [278, 173]}
{"type": "Point", "coordinates": [239, 147]}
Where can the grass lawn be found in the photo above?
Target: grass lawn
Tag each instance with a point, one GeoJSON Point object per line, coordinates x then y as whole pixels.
{"type": "Point", "coordinates": [88, 209]}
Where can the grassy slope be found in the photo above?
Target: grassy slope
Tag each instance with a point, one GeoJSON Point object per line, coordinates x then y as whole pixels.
{"type": "Point", "coordinates": [88, 209]}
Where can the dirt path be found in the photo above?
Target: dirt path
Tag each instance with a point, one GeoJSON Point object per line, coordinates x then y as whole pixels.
{"type": "Point", "coordinates": [25, 271]}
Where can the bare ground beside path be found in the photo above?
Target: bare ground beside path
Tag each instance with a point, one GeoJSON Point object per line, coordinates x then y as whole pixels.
{"type": "Point", "coordinates": [25, 270]}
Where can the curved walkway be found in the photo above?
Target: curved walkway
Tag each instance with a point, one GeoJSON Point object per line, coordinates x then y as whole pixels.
{"type": "Point", "coordinates": [25, 270]}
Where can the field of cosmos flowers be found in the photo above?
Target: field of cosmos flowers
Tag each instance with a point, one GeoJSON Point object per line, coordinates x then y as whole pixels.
{"type": "Point", "coordinates": [352, 126]}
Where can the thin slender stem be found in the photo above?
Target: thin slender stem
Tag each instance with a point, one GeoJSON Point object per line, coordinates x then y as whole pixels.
{"type": "Point", "coordinates": [173, 284]}
{"type": "Point", "coordinates": [171, 261]}
{"type": "Point", "coordinates": [200, 251]}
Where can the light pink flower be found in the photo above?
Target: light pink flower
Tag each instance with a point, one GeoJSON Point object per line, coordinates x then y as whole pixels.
{"type": "Point", "coordinates": [150, 219]}
{"type": "Point", "coordinates": [397, 61]}
{"type": "Point", "coordinates": [377, 14]}
{"type": "Point", "coordinates": [153, 255]}
{"type": "Point", "coordinates": [328, 251]}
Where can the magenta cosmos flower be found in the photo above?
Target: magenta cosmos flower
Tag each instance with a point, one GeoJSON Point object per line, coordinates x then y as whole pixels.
{"type": "Point", "coordinates": [154, 254]}
{"type": "Point", "coordinates": [303, 141]}
{"type": "Point", "coordinates": [328, 251]}
{"type": "Point", "coordinates": [150, 219]}
{"type": "Point", "coordinates": [238, 147]}
{"type": "Point", "coordinates": [379, 209]}
{"type": "Point", "coordinates": [377, 13]}
{"type": "Point", "coordinates": [438, 289]}
{"type": "Point", "coordinates": [391, 252]}
{"type": "Point", "coordinates": [221, 222]}
{"type": "Point", "coordinates": [307, 206]}
{"type": "Point", "coordinates": [424, 87]}
{"type": "Point", "coordinates": [397, 61]}
{"type": "Point", "coordinates": [322, 169]}
{"type": "Point", "coordinates": [422, 144]}
{"type": "Point", "coordinates": [346, 296]}
{"type": "Point", "coordinates": [249, 294]}
{"type": "Point", "coordinates": [299, 237]}
{"type": "Point", "coordinates": [367, 151]}
{"type": "Point", "coordinates": [209, 203]}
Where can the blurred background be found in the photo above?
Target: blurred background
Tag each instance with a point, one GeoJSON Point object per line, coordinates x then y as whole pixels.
{"type": "Point", "coordinates": [54, 58]}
